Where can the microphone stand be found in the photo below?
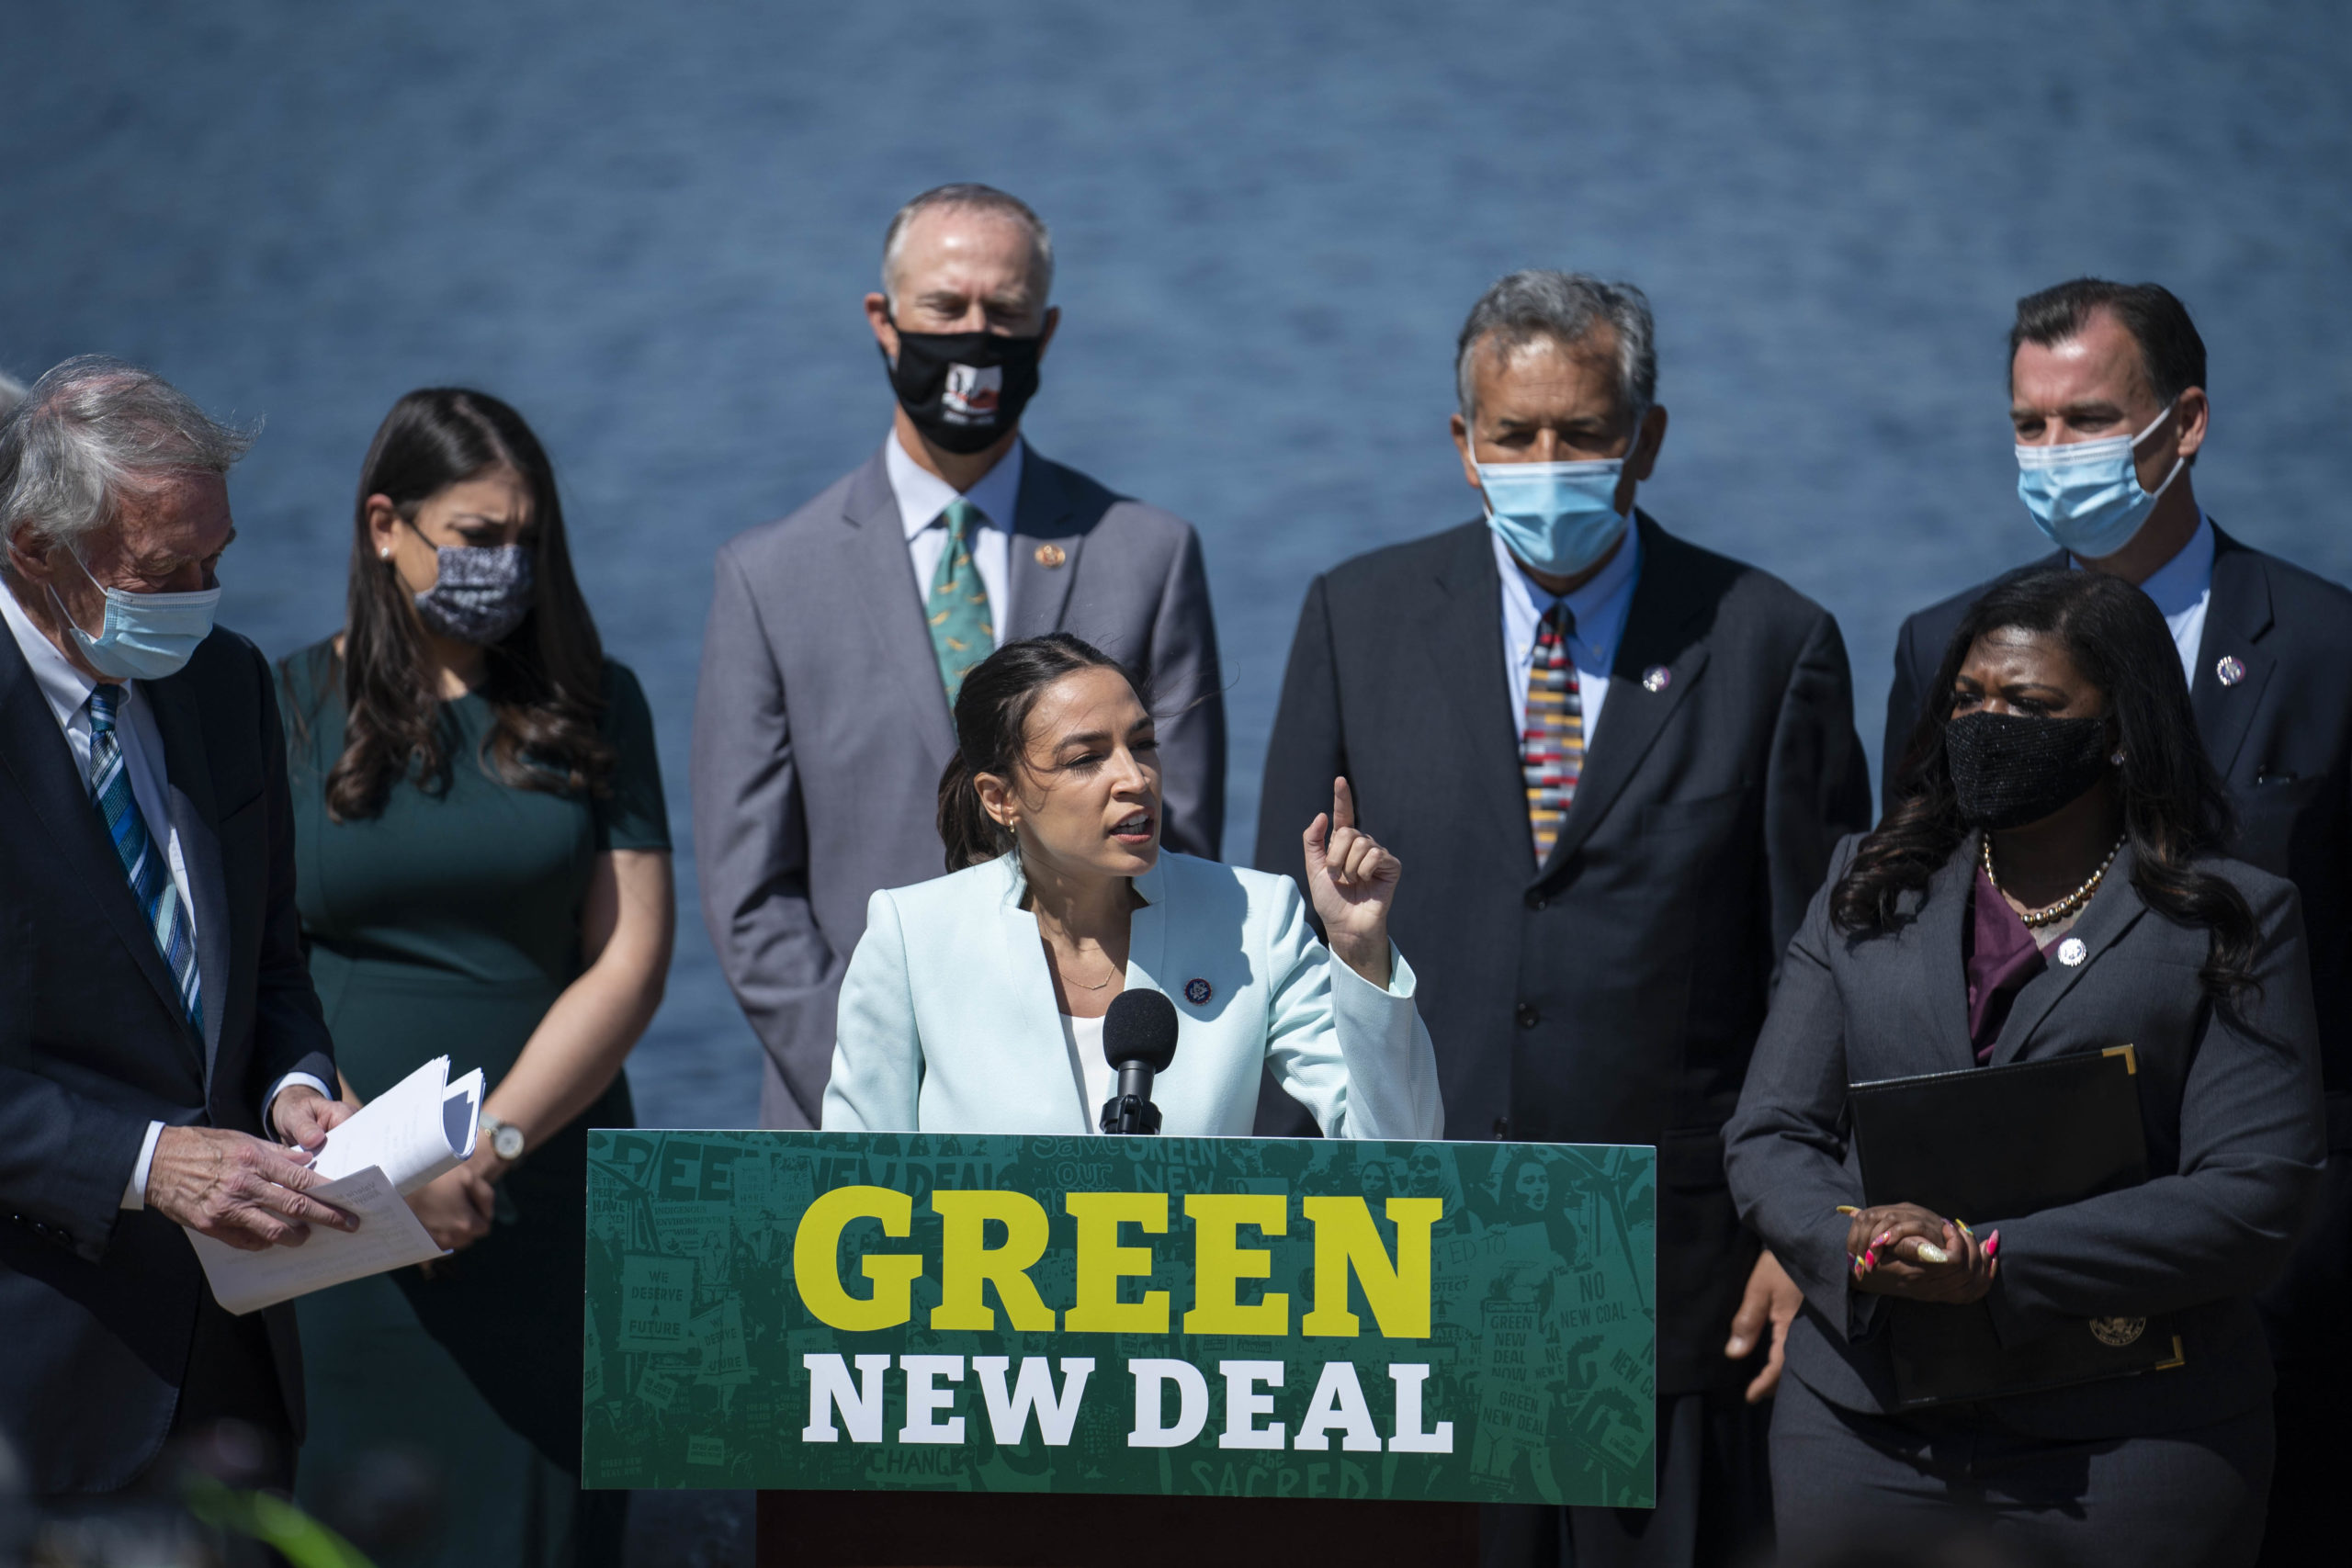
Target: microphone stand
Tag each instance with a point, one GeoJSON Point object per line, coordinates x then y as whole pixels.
{"type": "Point", "coordinates": [1131, 1111]}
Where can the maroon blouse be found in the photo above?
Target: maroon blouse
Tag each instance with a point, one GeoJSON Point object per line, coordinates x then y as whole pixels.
{"type": "Point", "coordinates": [2001, 956]}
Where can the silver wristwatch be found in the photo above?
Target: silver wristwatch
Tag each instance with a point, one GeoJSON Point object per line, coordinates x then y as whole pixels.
{"type": "Point", "coordinates": [505, 1138]}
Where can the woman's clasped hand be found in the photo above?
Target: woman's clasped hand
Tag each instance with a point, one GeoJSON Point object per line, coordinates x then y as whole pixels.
{"type": "Point", "coordinates": [1902, 1250]}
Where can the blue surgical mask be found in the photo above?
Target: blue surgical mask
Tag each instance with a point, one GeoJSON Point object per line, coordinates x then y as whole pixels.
{"type": "Point", "coordinates": [145, 635]}
{"type": "Point", "coordinates": [2086, 496]}
{"type": "Point", "coordinates": [1556, 518]}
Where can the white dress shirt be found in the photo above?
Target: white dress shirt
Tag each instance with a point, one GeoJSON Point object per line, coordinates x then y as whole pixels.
{"type": "Point", "coordinates": [67, 692]}
{"type": "Point", "coordinates": [2183, 589]}
{"type": "Point", "coordinates": [923, 495]}
{"type": "Point", "coordinates": [1599, 608]}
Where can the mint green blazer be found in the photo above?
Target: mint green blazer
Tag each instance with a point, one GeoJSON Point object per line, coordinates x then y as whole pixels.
{"type": "Point", "coordinates": [947, 1020]}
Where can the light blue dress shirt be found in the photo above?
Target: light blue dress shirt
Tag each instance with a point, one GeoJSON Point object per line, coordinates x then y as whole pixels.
{"type": "Point", "coordinates": [1599, 608]}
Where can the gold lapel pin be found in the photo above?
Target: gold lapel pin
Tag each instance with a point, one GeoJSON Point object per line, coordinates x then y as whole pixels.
{"type": "Point", "coordinates": [1051, 555]}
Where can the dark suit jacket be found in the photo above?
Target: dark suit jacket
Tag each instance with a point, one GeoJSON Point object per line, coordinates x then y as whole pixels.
{"type": "Point", "coordinates": [821, 727]}
{"type": "Point", "coordinates": [2230, 1101]}
{"type": "Point", "coordinates": [1611, 995]}
{"type": "Point", "coordinates": [96, 1304]}
{"type": "Point", "coordinates": [2281, 738]}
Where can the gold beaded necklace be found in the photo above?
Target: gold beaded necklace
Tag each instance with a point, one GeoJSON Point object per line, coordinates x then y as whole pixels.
{"type": "Point", "coordinates": [2051, 914]}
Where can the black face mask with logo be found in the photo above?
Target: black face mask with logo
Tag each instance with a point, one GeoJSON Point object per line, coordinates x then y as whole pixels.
{"type": "Point", "coordinates": [2009, 770]}
{"type": "Point", "coordinates": [963, 390]}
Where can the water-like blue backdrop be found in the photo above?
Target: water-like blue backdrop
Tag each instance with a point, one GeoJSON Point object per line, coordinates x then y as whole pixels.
{"type": "Point", "coordinates": [650, 228]}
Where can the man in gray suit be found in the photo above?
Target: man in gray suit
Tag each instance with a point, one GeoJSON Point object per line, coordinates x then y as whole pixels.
{"type": "Point", "coordinates": [839, 636]}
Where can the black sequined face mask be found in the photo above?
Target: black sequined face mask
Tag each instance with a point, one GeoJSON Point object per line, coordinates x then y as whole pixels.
{"type": "Point", "coordinates": [2009, 770]}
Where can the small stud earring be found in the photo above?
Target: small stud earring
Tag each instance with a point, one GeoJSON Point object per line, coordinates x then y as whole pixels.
{"type": "Point", "coordinates": [2117, 760]}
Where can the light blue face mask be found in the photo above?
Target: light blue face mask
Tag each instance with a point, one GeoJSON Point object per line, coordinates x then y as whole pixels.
{"type": "Point", "coordinates": [1556, 518]}
{"type": "Point", "coordinates": [2086, 496]}
{"type": "Point", "coordinates": [146, 635]}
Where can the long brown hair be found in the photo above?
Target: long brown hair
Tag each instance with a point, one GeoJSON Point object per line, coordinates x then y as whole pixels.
{"type": "Point", "coordinates": [544, 681]}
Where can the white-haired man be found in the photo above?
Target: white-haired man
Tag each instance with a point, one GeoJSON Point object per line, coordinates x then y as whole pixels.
{"type": "Point", "coordinates": [839, 636]}
{"type": "Point", "coordinates": [159, 1043]}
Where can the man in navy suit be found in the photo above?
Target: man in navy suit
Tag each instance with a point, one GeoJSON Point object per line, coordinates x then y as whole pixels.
{"type": "Point", "coordinates": [159, 1043]}
{"type": "Point", "coordinates": [1616, 764]}
{"type": "Point", "coordinates": [2107, 393]}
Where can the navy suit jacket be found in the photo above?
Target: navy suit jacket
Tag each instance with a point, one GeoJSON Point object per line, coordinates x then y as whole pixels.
{"type": "Point", "coordinates": [1611, 995]}
{"type": "Point", "coordinates": [97, 1303]}
{"type": "Point", "coordinates": [2281, 738]}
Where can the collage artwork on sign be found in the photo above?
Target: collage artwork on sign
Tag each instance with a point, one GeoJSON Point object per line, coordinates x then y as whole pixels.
{"type": "Point", "coordinates": [1490, 1336]}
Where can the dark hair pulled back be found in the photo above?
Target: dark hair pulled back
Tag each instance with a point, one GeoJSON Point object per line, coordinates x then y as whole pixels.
{"type": "Point", "coordinates": [991, 729]}
{"type": "Point", "coordinates": [544, 682]}
{"type": "Point", "coordinates": [2174, 806]}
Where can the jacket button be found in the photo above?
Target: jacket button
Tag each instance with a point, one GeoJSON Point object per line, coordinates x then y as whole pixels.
{"type": "Point", "coordinates": [1537, 901]}
{"type": "Point", "coordinates": [1528, 1017]}
{"type": "Point", "coordinates": [1502, 1126]}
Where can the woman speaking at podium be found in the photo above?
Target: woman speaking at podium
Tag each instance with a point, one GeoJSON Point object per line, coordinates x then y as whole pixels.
{"type": "Point", "coordinates": [975, 1002]}
{"type": "Point", "coordinates": [2048, 886]}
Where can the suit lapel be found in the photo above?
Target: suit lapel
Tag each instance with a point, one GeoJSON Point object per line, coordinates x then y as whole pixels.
{"type": "Point", "coordinates": [195, 818]}
{"type": "Point", "coordinates": [2236, 617]}
{"type": "Point", "coordinates": [34, 752]}
{"type": "Point", "coordinates": [1662, 631]}
{"type": "Point", "coordinates": [1462, 635]}
{"type": "Point", "coordinates": [1042, 532]}
{"type": "Point", "coordinates": [1942, 993]}
{"type": "Point", "coordinates": [893, 602]}
{"type": "Point", "coordinates": [2113, 911]}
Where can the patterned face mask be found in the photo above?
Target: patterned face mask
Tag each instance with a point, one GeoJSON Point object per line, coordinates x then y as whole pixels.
{"type": "Point", "coordinates": [483, 593]}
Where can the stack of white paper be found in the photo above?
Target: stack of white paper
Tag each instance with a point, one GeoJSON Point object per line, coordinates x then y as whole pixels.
{"type": "Point", "coordinates": [422, 1127]}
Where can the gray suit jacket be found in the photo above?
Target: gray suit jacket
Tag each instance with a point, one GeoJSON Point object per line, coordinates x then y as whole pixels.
{"type": "Point", "coordinates": [2230, 1098]}
{"type": "Point", "coordinates": [821, 728]}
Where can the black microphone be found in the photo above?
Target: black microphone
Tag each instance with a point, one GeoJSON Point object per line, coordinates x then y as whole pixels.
{"type": "Point", "coordinates": [1140, 1040]}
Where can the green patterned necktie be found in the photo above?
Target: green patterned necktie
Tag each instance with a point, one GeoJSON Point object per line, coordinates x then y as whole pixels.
{"type": "Point", "coordinates": [962, 631]}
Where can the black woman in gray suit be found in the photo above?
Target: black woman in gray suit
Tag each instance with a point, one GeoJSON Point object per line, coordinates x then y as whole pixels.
{"type": "Point", "coordinates": [2045, 884]}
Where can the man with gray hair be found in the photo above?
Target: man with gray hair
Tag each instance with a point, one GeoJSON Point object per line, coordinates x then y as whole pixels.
{"type": "Point", "coordinates": [1617, 765]}
{"type": "Point", "coordinates": [840, 635]}
{"type": "Point", "coordinates": [160, 1045]}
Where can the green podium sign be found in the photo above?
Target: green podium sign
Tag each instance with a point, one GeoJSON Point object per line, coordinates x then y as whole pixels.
{"type": "Point", "coordinates": [1180, 1317]}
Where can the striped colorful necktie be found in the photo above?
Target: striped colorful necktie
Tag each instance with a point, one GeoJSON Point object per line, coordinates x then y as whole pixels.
{"type": "Point", "coordinates": [1551, 749]}
{"type": "Point", "coordinates": [142, 858]}
{"type": "Point", "coordinates": [962, 631]}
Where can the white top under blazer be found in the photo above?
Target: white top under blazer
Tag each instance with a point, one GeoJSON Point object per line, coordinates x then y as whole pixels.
{"type": "Point", "coordinates": [948, 1023]}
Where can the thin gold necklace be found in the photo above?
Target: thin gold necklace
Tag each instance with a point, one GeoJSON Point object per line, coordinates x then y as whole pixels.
{"type": "Point", "coordinates": [2051, 914]}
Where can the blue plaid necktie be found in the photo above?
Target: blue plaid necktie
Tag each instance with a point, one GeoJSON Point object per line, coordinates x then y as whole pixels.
{"type": "Point", "coordinates": [142, 858]}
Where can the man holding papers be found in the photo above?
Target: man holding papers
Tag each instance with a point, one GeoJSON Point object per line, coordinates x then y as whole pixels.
{"type": "Point", "coordinates": [160, 1043]}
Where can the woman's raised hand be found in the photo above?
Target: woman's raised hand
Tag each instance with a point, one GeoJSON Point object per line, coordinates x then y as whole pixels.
{"type": "Point", "coordinates": [1352, 880]}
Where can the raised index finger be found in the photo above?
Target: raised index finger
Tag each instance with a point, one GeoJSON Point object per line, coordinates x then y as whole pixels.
{"type": "Point", "coordinates": [1343, 804]}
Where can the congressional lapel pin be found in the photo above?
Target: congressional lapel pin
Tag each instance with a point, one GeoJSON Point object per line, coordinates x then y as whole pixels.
{"type": "Point", "coordinates": [1197, 990]}
{"type": "Point", "coordinates": [2232, 670]}
{"type": "Point", "coordinates": [1051, 555]}
{"type": "Point", "coordinates": [1656, 678]}
{"type": "Point", "coordinates": [2071, 952]}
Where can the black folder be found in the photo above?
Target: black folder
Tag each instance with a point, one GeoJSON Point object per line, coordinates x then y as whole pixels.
{"type": "Point", "coordinates": [1992, 1144]}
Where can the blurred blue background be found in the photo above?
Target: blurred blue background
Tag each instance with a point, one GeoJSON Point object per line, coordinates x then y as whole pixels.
{"type": "Point", "coordinates": [650, 228]}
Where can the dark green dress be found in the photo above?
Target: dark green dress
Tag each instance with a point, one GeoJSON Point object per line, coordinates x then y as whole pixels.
{"type": "Point", "coordinates": [450, 924]}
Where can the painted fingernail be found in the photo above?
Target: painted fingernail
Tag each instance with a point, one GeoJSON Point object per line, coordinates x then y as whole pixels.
{"type": "Point", "coordinates": [1931, 1253]}
{"type": "Point", "coordinates": [1882, 1238]}
{"type": "Point", "coordinates": [1870, 1258]}
{"type": "Point", "coordinates": [1993, 1244]}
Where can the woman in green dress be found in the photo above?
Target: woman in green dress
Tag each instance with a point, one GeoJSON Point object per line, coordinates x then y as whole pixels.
{"type": "Point", "coordinates": [483, 866]}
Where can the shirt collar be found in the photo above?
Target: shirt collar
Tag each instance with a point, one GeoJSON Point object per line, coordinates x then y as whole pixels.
{"type": "Point", "coordinates": [923, 495]}
{"type": "Point", "coordinates": [2180, 582]}
{"type": "Point", "coordinates": [1600, 606]}
{"type": "Point", "coordinates": [66, 689]}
